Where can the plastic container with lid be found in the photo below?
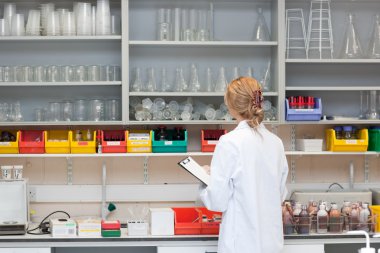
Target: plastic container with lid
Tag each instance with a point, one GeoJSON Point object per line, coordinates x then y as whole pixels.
{"type": "Point", "coordinates": [338, 132]}
{"type": "Point", "coordinates": [347, 132]}
{"type": "Point", "coordinates": [374, 138]}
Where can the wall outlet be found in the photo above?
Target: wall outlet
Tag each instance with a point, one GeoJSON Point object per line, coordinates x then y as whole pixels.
{"type": "Point", "coordinates": [32, 194]}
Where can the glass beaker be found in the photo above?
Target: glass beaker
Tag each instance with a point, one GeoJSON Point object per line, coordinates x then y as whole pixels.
{"type": "Point", "coordinates": [80, 110]}
{"type": "Point", "coordinates": [55, 111]}
{"type": "Point", "coordinates": [203, 33]}
{"type": "Point", "coordinates": [261, 31]}
{"type": "Point", "coordinates": [374, 45]}
{"type": "Point", "coordinates": [96, 110]}
{"type": "Point", "coordinates": [363, 104]}
{"type": "Point", "coordinates": [67, 111]}
{"type": "Point", "coordinates": [113, 109]}
{"type": "Point", "coordinates": [351, 45]}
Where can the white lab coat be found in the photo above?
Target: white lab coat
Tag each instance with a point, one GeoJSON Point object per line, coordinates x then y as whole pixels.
{"type": "Point", "coordinates": [248, 177]}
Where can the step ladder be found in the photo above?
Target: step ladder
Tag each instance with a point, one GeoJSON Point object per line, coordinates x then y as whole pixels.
{"type": "Point", "coordinates": [295, 33]}
{"type": "Point", "coordinates": [320, 43]}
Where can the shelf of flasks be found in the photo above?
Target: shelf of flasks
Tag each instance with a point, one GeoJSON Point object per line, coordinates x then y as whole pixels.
{"type": "Point", "coordinates": [204, 43]}
{"type": "Point", "coordinates": [346, 61]}
{"type": "Point", "coordinates": [61, 123]}
{"type": "Point", "coordinates": [190, 122]}
{"type": "Point", "coordinates": [188, 94]}
{"type": "Point", "coordinates": [100, 83]}
{"type": "Point", "coordinates": [60, 38]}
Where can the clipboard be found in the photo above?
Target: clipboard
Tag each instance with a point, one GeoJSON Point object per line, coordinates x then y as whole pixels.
{"type": "Point", "coordinates": [195, 169]}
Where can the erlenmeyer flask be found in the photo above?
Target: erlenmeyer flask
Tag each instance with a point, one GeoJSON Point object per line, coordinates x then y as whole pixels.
{"type": "Point", "coordinates": [351, 45]}
{"type": "Point", "coordinates": [250, 71]}
{"type": "Point", "coordinates": [209, 81]}
{"type": "Point", "coordinates": [137, 84]}
{"type": "Point", "coordinates": [235, 73]}
{"type": "Point", "coordinates": [180, 83]}
{"type": "Point", "coordinates": [374, 44]}
{"type": "Point", "coordinates": [165, 85]}
{"type": "Point", "coordinates": [261, 32]}
{"type": "Point", "coordinates": [194, 79]}
{"type": "Point", "coordinates": [221, 82]}
{"type": "Point", "coordinates": [151, 85]}
{"type": "Point", "coordinates": [265, 79]}
{"type": "Point", "coordinates": [372, 113]}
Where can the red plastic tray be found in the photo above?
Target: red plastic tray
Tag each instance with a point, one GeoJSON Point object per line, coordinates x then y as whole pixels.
{"type": "Point", "coordinates": [117, 144]}
{"type": "Point", "coordinates": [32, 142]}
{"type": "Point", "coordinates": [111, 225]}
{"type": "Point", "coordinates": [209, 228]}
{"type": "Point", "coordinates": [186, 221]}
{"type": "Point", "coordinates": [209, 145]}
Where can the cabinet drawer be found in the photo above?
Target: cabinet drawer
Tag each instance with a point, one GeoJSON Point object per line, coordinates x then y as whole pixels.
{"type": "Point", "coordinates": [198, 249]}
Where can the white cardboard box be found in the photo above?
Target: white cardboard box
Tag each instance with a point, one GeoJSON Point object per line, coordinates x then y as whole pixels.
{"type": "Point", "coordinates": [309, 145]}
{"type": "Point", "coordinates": [161, 221]}
{"type": "Point", "coordinates": [89, 228]}
{"type": "Point", "coordinates": [63, 228]}
{"type": "Point", "coordinates": [138, 228]}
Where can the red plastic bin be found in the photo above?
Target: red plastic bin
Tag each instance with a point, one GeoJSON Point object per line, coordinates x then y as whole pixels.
{"type": "Point", "coordinates": [113, 141]}
{"type": "Point", "coordinates": [209, 145]}
{"type": "Point", "coordinates": [186, 221]}
{"type": "Point", "coordinates": [32, 142]}
{"type": "Point", "coordinates": [209, 228]}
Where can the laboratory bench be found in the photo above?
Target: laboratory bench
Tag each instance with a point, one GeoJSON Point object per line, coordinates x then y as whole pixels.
{"type": "Point", "coordinates": [313, 243]}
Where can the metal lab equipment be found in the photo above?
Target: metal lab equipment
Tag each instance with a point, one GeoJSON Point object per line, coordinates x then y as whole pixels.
{"type": "Point", "coordinates": [14, 208]}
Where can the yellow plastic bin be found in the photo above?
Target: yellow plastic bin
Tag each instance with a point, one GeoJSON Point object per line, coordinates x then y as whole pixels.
{"type": "Point", "coordinates": [139, 141]}
{"type": "Point", "coordinates": [375, 210]}
{"type": "Point", "coordinates": [57, 141]}
{"type": "Point", "coordinates": [83, 146]}
{"type": "Point", "coordinates": [351, 145]}
{"type": "Point", "coordinates": [10, 147]}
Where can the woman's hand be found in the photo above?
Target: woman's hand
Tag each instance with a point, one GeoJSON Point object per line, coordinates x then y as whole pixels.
{"type": "Point", "coordinates": [207, 169]}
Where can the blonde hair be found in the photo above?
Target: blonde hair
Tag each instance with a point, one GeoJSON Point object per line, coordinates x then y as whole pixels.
{"type": "Point", "coordinates": [244, 96]}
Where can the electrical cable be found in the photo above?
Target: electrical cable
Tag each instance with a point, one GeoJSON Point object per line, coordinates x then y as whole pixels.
{"type": "Point", "coordinates": [43, 227]}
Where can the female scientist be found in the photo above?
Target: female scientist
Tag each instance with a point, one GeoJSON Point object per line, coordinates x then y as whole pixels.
{"type": "Point", "coordinates": [248, 175]}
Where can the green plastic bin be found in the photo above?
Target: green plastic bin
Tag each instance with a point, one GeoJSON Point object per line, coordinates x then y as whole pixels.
{"type": "Point", "coordinates": [170, 145]}
{"type": "Point", "coordinates": [374, 139]}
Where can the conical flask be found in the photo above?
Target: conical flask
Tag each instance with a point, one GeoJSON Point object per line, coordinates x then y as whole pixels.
{"type": "Point", "coordinates": [209, 81]}
{"type": "Point", "coordinates": [374, 44]}
{"type": "Point", "coordinates": [221, 82]}
{"type": "Point", "coordinates": [151, 85]}
{"type": "Point", "coordinates": [351, 45]}
{"type": "Point", "coordinates": [235, 73]}
{"type": "Point", "coordinates": [261, 32]}
{"type": "Point", "coordinates": [180, 82]}
{"type": "Point", "coordinates": [165, 85]}
{"type": "Point", "coordinates": [137, 84]}
{"type": "Point", "coordinates": [194, 79]}
{"type": "Point", "coordinates": [250, 71]}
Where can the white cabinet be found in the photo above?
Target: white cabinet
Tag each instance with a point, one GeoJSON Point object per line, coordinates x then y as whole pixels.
{"type": "Point", "coordinates": [190, 249]}
{"type": "Point", "coordinates": [314, 248]}
{"type": "Point", "coordinates": [25, 250]}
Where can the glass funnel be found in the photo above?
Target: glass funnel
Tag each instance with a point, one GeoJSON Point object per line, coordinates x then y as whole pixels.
{"type": "Point", "coordinates": [351, 45]}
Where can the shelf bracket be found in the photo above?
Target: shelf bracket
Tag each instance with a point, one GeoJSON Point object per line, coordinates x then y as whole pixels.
{"type": "Point", "coordinates": [146, 172]}
{"type": "Point", "coordinates": [293, 138]}
{"type": "Point", "coordinates": [69, 170]}
{"type": "Point", "coordinates": [366, 169]}
{"type": "Point", "coordinates": [292, 170]}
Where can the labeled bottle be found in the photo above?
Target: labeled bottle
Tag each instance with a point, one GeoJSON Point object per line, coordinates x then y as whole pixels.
{"type": "Point", "coordinates": [346, 210]}
{"type": "Point", "coordinates": [313, 209]}
{"type": "Point", "coordinates": [364, 217]}
{"type": "Point", "coordinates": [335, 223]}
{"type": "Point", "coordinates": [304, 221]}
{"type": "Point", "coordinates": [297, 209]}
{"type": "Point", "coordinates": [161, 133]}
{"type": "Point", "coordinates": [287, 218]}
{"type": "Point", "coordinates": [98, 142]}
{"type": "Point", "coordinates": [354, 218]}
{"type": "Point", "coordinates": [322, 219]}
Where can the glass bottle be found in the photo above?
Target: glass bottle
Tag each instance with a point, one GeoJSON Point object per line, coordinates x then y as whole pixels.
{"type": "Point", "coordinates": [194, 83]}
{"type": "Point", "coordinates": [338, 132]}
{"type": "Point", "coordinates": [346, 210]}
{"type": "Point", "coordinates": [180, 82]}
{"type": "Point", "coordinates": [261, 31]}
{"type": "Point", "coordinates": [347, 132]}
{"type": "Point", "coordinates": [221, 82]}
{"type": "Point", "coordinates": [137, 82]}
{"type": "Point", "coordinates": [209, 81]}
{"type": "Point", "coordinates": [354, 217]}
{"type": "Point", "coordinates": [178, 135]}
{"type": "Point", "coordinates": [304, 221]}
{"type": "Point", "coordinates": [335, 224]}
{"type": "Point", "coordinates": [151, 85]}
{"type": "Point", "coordinates": [351, 45]}
{"type": "Point", "coordinates": [372, 113]}
{"type": "Point", "coordinates": [287, 218]}
{"type": "Point", "coordinates": [322, 219]}
{"type": "Point", "coordinates": [161, 133]}
{"type": "Point", "coordinates": [374, 44]}
{"type": "Point", "coordinates": [364, 217]}
{"type": "Point", "coordinates": [363, 105]}
{"type": "Point", "coordinates": [297, 209]}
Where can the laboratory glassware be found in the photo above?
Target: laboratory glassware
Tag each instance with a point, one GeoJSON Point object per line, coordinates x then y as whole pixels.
{"type": "Point", "coordinates": [320, 41]}
{"type": "Point", "coordinates": [322, 219]}
{"type": "Point", "coordinates": [187, 33]}
{"type": "Point", "coordinates": [180, 82]}
{"type": "Point", "coordinates": [203, 32]}
{"type": "Point", "coordinates": [93, 73]}
{"type": "Point", "coordinates": [165, 84]}
{"type": "Point", "coordinates": [55, 111]}
{"type": "Point", "coordinates": [46, 8]}
{"type": "Point", "coordinates": [194, 83]}
{"type": "Point", "coordinates": [68, 24]}
{"type": "Point", "coordinates": [164, 24]}
{"type": "Point", "coordinates": [265, 79]}
{"type": "Point", "coordinates": [80, 109]}
{"type": "Point", "coordinates": [261, 31]}
{"type": "Point", "coordinates": [103, 18]}
{"type": "Point", "coordinates": [53, 73]}
{"type": "Point", "coordinates": [96, 110]}
{"type": "Point", "coordinates": [151, 84]}
{"type": "Point", "coordinates": [52, 24]}
{"type": "Point", "coordinates": [33, 23]}
{"type": "Point", "coordinates": [4, 27]}
{"type": "Point", "coordinates": [235, 73]}
{"type": "Point", "coordinates": [372, 113]}
{"type": "Point", "coordinates": [351, 48]}
{"type": "Point", "coordinates": [112, 107]}
{"type": "Point", "coordinates": [221, 81]}
{"type": "Point", "coordinates": [210, 85]}
{"type": "Point", "coordinates": [295, 34]}
{"type": "Point", "coordinates": [67, 73]}
{"type": "Point", "coordinates": [363, 104]}
{"type": "Point", "coordinates": [374, 45]}
{"type": "Point", "coordinates": [83, 18]}
{"type": "Point", "coordinates": [67, 111]}
{"type": "Point", "coordinates": [137, 83]}
{"type": "Point", "coordinates": [18, 28]}
{"type": "Point", "coordinates": [177, 24]}
{"type": "Point", "coordinates": [9, 12]}
{"type": "Point", "coordinates": [250, 71]}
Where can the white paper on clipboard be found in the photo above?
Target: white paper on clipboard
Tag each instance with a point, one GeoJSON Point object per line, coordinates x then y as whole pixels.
{"type": "Point", "coordinates": [195, 169]}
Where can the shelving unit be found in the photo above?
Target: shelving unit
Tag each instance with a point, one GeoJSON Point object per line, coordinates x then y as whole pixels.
{"type": "Point", "coordinates": [59, 38]}
{"type": "Point", "coordinates": [204, 43]}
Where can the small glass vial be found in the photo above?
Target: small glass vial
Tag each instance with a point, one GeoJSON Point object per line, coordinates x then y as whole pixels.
{"type": "Point", "coordinates": [322, 219]}
{"type": "Point", "coordinates": [347, 132]}
{"type": "Point", "coordinates": [338, 132]}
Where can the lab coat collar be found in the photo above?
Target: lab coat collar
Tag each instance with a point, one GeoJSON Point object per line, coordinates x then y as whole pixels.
{"type": "Point", "coordinates": [244, 124]}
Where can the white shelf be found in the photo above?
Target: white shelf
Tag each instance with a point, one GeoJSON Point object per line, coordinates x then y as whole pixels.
{"type": "Point", "coordinates": [334, 122]}
{"type": "Point", "coordinates": [60, 123]}
{"type": "Point", "coordinates": [188, 94]}
{"type": "Point", "coordinates": [106, 155]}
{"type": "Point", "coordinates": [191, 122]}
{"type": "Point", "coordinates": [332, 88]}
{"type": "Point", "coordinates": [59, 38]}
{"type": "Point", "coordinates": [101, 83]}
{"type": "Point", "coordinates": [333, 61]}
{"type": "Point", "coordinates": [203, 43]}
{"type": "Point", "coordinates": [303, 153]}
